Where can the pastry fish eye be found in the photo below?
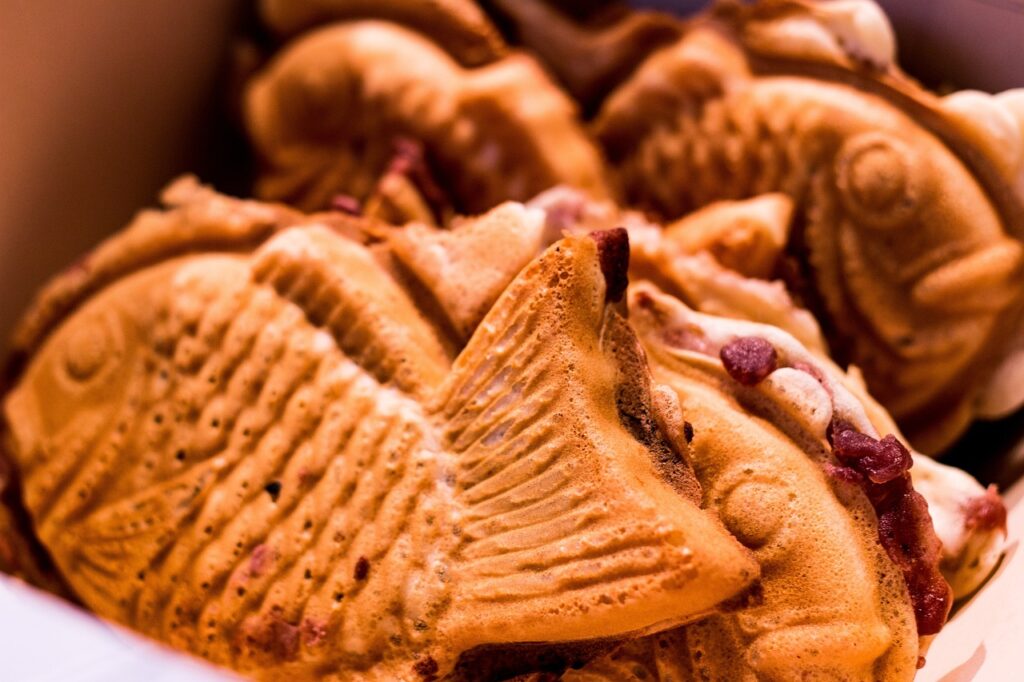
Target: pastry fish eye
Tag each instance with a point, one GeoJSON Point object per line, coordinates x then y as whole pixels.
{"type": "Point", "coordinates": [755, 510]}
{"type": "Point", "coordinates": [880, 180]}
{"type": "Point", "coordinates": [93, 345]}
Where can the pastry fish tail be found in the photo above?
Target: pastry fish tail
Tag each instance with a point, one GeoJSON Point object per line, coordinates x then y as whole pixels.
{"type": "Point", "coordinates": [577, 518]}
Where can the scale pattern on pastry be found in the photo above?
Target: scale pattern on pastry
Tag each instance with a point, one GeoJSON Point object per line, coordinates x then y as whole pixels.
{"type": "Point", "coordinates": [464, 276]}
{"type": "Point", "coordinates": [267, 457]}
{"type": "Point", "coordinates": [909, 208]}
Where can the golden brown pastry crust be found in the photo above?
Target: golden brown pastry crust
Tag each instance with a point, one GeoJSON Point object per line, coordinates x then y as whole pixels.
{"type": "Point", "coordinates": [831, 599]}
{"type": "Point", "coordinates": [467, 266]}
{"type": "Point", "coordinates": [21, 555]}
{"type": "Point", "coordinates": [948, 491]}
{"type": "Point", "coordinates": [971, 547]}
{"type": "Point", "coordinates": [265, 456]}
{"type": "Point", "coordinates": [198, 219]}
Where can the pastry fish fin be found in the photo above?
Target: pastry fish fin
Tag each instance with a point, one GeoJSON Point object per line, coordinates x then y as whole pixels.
{"type": "Point", "coordinates": [568, 531]}
{"type": "Point", "coordinates": [120, 541]}
{"type": "Point", "coordinates": [196, 219]}
{"type": "Point", "coordinates": [746, 236]}
{"type": "Point", "coordinates": [468, 266]}
{"type": "Point", "coordinates": [342, 289]}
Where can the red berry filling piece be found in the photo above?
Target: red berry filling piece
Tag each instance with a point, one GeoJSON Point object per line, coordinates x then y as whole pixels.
{"type": "Point", "coordinates": [905, 527]}
{"type": "Point", "coordinates": [346, 203]}
{"type": "Point", "coordinates": [749, 359]}
{"type": "Point", "coordinates": [880, 460]}
{"type": "Point", "coordinates": [985, 512]}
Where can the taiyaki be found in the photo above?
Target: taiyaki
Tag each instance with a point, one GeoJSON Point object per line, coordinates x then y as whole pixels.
{"type": "Point", "coordinates": [325, 115]}
{"type": "Point", "coordinates": [909, 208]}
{"type": "Point", "coordinates": [861, 636]}
{"type": "Point", "coordinates": [788, 457]}
{"type": "Point", "coordinates": [253, 446]}
{"type": "Point", "coordinates": [467, 266]}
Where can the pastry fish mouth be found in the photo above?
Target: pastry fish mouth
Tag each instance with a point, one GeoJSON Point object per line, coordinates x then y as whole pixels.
{"type": "Point", "coordinates": [975, 282]}
{"type": "Point", "coordinates": [925, 308]}
{"type": "Point", "coordinates": [777, 648]}
{"type": "Point", "coordinates": [907, 228]}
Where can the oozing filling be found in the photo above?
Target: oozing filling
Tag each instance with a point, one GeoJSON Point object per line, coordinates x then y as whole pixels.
{"type": "Point", "coordinates": [880, 469]}
{"type": "Point", "coordinates": [409, 160]}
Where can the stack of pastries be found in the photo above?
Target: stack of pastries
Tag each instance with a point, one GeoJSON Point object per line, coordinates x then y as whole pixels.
{"type": "Point", "coordinates": [546, 350]}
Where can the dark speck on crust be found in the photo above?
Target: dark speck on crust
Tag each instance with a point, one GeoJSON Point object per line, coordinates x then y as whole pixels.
{"type": "Point", "coordinates": [273, 489]}
{"type": "Point", "coordinates": [362, 568]}
{"type": "Point", "coordinates": [426, 668]}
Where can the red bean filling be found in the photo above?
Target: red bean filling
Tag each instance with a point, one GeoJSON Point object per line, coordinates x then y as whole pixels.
{"type": "Point", "coordinates": [985, 512]}
{"type": "Point", "coordinates": [904, 524]}
{"type": "Point", "coordinates": [346, 203]}
{"type": "Point", "coordinates": [410, 160]}
{"type": "Point", "coordinates": [880, 460]}
{"type": "Point", "coordinates": [749, 359]}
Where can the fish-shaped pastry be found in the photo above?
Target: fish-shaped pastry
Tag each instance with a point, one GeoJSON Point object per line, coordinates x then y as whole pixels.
{"type": "Point", "coordinates": [333, 113]}
{"type": "Point", "coordinates": [837, 596]}
{"type": "Point", "coordinates": [909, 208]}
{"type": "Point", "coordinates": [466, 267]}
{"type": "Point", "coordinates": [797, 471]}
{"type": "Point", "coordinates": [257, 449]}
